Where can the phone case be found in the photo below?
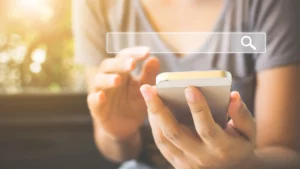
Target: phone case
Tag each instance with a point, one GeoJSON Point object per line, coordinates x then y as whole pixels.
{"type": "Point", "coordinates": [216, 91]}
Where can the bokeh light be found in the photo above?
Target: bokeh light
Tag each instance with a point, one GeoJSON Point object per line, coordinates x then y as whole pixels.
{"type": "Point", "coordinates": [38, 56]}
{"type": "Point", "coordinates": [4, 57]}
{"type": "Point", "coordinates": [18, 54]}
{"type": "Point", "coordinates": [36, 44]}
{"type": "Point", "coordinates": [35, 67]}
{"type": "Point", "coordinates": [46, 14]}
{"type": "Point", "coordinates": [38, 8]}
{"type": "Point", "coordinates": [29, 4]}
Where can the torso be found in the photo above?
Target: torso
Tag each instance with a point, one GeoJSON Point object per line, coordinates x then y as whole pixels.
{"type": "Point", "coordinates": [228, 17]}
{"type": "Point", "coordinates": [180, 16]}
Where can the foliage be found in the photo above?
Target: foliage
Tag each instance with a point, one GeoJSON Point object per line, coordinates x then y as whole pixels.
{"type": "Point", "coordinates": [28, 25]}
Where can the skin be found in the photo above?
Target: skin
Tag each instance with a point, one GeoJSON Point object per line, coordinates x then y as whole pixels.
{"type": "Point", "coordinates": [238, 145]}
{"type": "Point", "coordinates": [213, 147]}
{"type": "Point", "coordinates": [180, 16]}
{"type": "Point", "coordinates": [271, 142]}
{"type": "Point", "coordinates": [111, 85]}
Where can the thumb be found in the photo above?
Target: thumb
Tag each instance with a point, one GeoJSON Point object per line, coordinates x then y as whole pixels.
{"type": "Point", "coordinates": [241, 118]}
{"type": "Point", "coordinates": [150, 70]}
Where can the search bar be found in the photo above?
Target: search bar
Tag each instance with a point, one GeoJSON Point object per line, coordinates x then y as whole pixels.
{"type": "Point", "coordinates": [211, 42]}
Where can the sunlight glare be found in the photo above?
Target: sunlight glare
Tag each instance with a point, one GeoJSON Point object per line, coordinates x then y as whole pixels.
{"type": "Point", "coordinates": [46, 13]}
{"type": "Point", "coordinates": [35, 67]}
{"type": "Point", "coordinates": [4, 57]}
{"type": "Point", "coordinates": [18, 54]}
{"type": "Point", "coordinates": [29, 4]}
{"type": "Point", "coordinates": [39, 56]}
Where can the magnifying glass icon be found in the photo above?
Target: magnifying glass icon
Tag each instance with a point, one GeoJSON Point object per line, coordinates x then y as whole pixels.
{"type": "Point", "coordinates": [246, 41]}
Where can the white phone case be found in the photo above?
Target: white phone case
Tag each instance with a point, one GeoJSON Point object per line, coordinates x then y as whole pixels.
{"type": "Point", "coordinates": [215, 90]}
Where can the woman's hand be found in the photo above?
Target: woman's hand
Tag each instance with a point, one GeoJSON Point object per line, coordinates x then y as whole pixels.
{"type": "Point", "coordinates": [115, 102]}
{"type": "Point", "coordinates": [212, 146]}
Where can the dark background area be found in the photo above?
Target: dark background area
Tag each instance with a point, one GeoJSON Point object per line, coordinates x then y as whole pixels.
{"type": "Point", "coordinates": [48, 132]}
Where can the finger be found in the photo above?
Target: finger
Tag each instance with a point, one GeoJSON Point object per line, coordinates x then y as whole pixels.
{"type": "Point", "coordinates": [169, 151]}
{"type": "Point", "coordinates": [106, 81]}
{"type": "Point", "coordinates": [176, 157]}
{"type": "Point", "coordinates": [137, 53]}
{"type": "Point", "coordinates": [125, 61]}
{"type": "Point", "coordinates": [150, 71]}
{"type": "Point", "coordinates": [117, 65]}
{"type": "Point", "coordinates": [164, 118]}
{"type": "Point", "coordinates": [242, 119]}
{"type": "Point", "coordinates": [169, 126]}
{"type": "Point", "coordinates": [96, 102]}
{"type": "Point", "coordinates": [205, 126]}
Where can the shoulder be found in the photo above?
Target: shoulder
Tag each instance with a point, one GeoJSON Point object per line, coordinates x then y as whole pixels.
{"type": "Point", "coordinates": [273, 10]}
{"type": "Point", "coordinates": [279, 19]}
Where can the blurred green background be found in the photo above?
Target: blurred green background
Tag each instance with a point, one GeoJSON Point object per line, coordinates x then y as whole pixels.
{"type": "Point", "coordinates": [36, 47]}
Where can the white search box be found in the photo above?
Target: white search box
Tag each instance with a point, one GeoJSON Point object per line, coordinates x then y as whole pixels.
{"type": "Point", "coordinates": [213, 42]}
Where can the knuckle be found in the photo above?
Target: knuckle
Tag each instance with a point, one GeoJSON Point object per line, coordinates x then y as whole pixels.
{"type": "Point", "coordinates": [157, 109]}
{"type": "Point", "coordinates": [160, 139]}
{"type": "Point", "coordinates": [222, 154]}
{"type": "Point", "coordinates": [206, 132]}
{"type": "Point", "coordinates": [173, 134]}
{"type": "Point", "coordinates": [199, 109]}
{"type": "Point", "coordinates": [203, 162]}
{"type": "Point", "coordinates": [226, 152]}
{"type": "Point", "coordinates": [243, 111]}
{"type": "Point", "coordinates": [242, 115]}
{"type": "Point", "coordinates": [152, 110]}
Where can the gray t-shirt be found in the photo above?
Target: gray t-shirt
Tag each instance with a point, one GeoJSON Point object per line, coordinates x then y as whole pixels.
{"type": "Point", "coordinates": [277, 18]}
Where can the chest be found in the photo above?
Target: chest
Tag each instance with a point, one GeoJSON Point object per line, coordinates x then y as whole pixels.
{"type": "Point", "coordinates": [182, 16]}
{"type": "Point", "coordinates": [241, 66]}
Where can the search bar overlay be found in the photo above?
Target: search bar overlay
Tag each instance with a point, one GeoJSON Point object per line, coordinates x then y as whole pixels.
{"type": "Point", "coordinates": [199, 42]}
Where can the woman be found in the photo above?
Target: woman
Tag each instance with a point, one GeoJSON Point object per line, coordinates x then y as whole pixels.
{"type": "Point", "coordinates": [267, 83]}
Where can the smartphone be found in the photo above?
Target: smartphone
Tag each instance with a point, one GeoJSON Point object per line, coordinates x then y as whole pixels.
{"type": "Point", "coordinates": [215, 85]}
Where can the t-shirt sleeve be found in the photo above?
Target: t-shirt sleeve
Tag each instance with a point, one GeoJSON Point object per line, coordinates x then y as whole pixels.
{"type": "Point", "coordinates": [279, 19]}
{"type": "Point", "coordinates": [89, 30]}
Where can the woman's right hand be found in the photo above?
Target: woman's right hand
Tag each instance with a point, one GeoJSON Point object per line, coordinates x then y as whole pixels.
{"type": "Point", "coordinates": [115, 103]}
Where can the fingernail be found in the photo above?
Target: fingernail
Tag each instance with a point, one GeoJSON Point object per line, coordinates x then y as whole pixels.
{"type": "Point", "coordinates": [190, 95]}
{"type": "Point", "coordinates": [146, 93]}
{"type": "Point", "coordinates": [237, 99]}
{"type": "Point", "coordinates": [235, 95]}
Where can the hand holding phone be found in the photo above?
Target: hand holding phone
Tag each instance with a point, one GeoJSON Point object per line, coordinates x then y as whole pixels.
{"type": "Point", "coordinates": [215, 86]}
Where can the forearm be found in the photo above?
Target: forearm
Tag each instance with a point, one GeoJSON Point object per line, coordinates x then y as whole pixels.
{"type": "Point", "coordinates": [118, 150]}
{"type": "Point", "coordinates": [273, 158]}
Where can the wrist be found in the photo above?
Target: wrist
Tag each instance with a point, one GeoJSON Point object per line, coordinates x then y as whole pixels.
{"type": "Point", "coordinates": [120, 137]}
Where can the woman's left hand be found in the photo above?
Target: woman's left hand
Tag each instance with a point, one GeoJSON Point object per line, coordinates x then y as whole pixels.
{"type": "Point", "coordinates": [212, 147]}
